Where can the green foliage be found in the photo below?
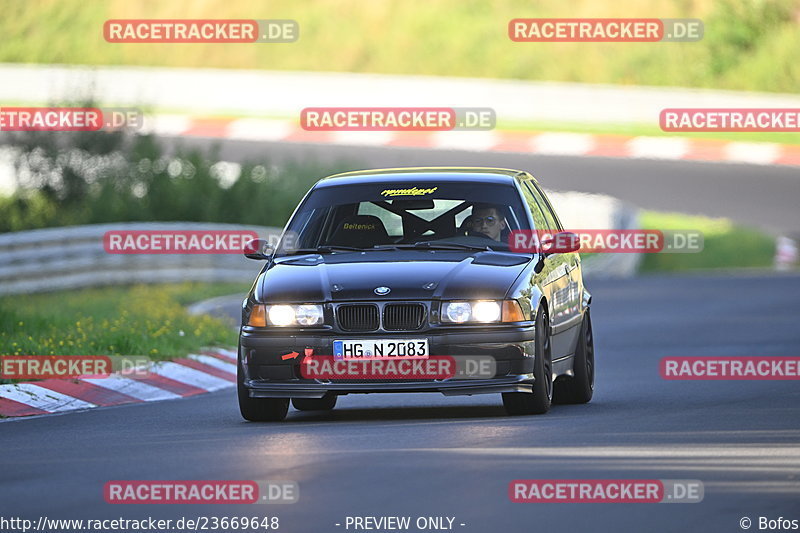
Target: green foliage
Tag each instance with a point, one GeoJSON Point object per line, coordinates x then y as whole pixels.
{"type": "Point", "coordinates": [737, 28]}
{"type": "Point", "coordinates": [95, 177]}
{"type": "Point", "coordinates": [725, 245]}
{"type": "Point", "coordinates": [748, 44]}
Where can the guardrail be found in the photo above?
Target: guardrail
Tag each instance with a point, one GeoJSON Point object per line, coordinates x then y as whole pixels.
{"type": "Point", "coordinates": [73, 257]}
{"type": "Point", "coordinates": [193, 91]}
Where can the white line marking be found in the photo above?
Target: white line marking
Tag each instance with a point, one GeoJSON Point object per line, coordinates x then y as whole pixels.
{"type": "Point", "coordinates": [362, 138]}
{"type": "Point", "coordinates": [42, 398]}
{"type": "Point", "coordinates": [216, 363]}
{"type": "Point", "coordinates": [476, 141]}
{"type": "Point", "coordinates": [134, 388]}
{"type": "Point", "coordinates": [190, 376]}
{"type": "Point", "coordinates": [758, 153]}
{"type": "Point", "coordinates": [229, 353]}
{"type": "Point", "coordinates": [658, 147]}
{"type": "Point", "coordinates": [562, 143]}
{"type": "Point", "coordinates": [257, 129]}
{"type": "Point", "coordinates": [166, 124]}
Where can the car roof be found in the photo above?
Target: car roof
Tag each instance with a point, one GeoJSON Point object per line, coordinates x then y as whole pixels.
{"type": "Point", "coordinates": [415, 174]}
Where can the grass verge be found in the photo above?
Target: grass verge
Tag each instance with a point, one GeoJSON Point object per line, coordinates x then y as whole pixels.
{"type": "Point", "coordinates": [726, 245]}
{"type": "Point", "coordinates": [146, 320]}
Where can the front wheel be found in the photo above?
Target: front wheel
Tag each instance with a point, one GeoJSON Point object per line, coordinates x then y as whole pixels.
{"type": "Point", "coordinates": [259, 409]}
{"type": "Point", "coordinates": [525, 403]}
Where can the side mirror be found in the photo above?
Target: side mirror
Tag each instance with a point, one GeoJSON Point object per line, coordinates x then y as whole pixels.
{"type": "Point", "coordinates": [562, 243]}
{"type": "Point", "coordinates": [258, 249]}
{"type": "Point", "coordinates": [539, 265]}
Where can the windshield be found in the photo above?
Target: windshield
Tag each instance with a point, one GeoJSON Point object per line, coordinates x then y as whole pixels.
{"type": "Point", "coordinates": [421, 214]}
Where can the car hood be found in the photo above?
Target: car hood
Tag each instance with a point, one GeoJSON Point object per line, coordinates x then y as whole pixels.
{"type": "Point", "coordinates": [408, 275]}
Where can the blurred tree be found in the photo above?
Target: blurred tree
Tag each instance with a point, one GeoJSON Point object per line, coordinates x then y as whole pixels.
{"type": "Point", "coordinates": [95, 177]}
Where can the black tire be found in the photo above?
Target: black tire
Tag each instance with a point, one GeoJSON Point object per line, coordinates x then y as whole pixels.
{"type": "Point", "coordinates": [525, 403]}
{"type": "Point", "coordinates": [259, 409]}
{"type": "Point", "coordinates": [326, 403]}
{"type": "Point", "coordinates": [579, 388]}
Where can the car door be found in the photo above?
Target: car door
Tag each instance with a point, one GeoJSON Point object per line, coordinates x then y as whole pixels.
{"type": "Point", "coordinates": [571, 312]}
{"type": "Point", "coordinates": [554, 279]}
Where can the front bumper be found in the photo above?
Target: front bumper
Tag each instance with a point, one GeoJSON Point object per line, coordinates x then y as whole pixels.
{"type": "Point", "coordinates": [267, 375]}
{"type": "Point", "coordinates": [312, 389]}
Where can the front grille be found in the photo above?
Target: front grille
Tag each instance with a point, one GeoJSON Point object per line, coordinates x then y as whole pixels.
{"type": "Point", "coordinates": [358, 317]}
{"type": "Point", "coordinates": [403, 317]}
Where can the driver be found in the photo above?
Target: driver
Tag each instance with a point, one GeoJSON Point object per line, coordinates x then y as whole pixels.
{"type": "Point", "coordinates": [486, 219]}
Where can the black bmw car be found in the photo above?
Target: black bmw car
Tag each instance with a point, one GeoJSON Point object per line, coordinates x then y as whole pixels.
{"type": "Point", "coordinates": [388, 266]}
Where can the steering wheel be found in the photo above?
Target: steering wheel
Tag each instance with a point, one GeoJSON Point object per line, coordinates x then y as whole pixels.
{"type": "Point", "coordinates": [473, 233]}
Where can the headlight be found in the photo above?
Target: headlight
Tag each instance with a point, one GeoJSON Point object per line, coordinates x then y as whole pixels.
{"type": "Point", "coordinates": [286, 315]}
{"type": "Point", "coordinates": [482, 311]}
{"type": "Point", "coordinates": [308, 315]}
{"type": "Point", "coordinates": [281, 315]}
{"type": "Point", "coordinates": [486, 311]}
{"type": "Point", "coordinates": [457, 311]}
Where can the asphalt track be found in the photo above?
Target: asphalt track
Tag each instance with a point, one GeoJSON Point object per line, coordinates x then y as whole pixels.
{"type": "Point", "coordinates": [427, 455]}
{"type": "Point", "coordinates": [759, 195]}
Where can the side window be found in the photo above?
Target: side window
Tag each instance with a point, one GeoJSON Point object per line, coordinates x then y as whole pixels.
{"type": "Point", "coordinates": [547, 209]}
{"type": "Point", "coordinates": [536, 212]}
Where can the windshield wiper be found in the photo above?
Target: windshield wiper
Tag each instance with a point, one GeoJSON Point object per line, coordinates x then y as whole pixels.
{"type": "Point", "coordinates": [427, 245]}
{"type": "Point", "coordinates": [324, 249]}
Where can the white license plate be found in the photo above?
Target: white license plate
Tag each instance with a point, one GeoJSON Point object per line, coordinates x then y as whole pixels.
{"type": "Point", "coordinates": [383, 348]}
